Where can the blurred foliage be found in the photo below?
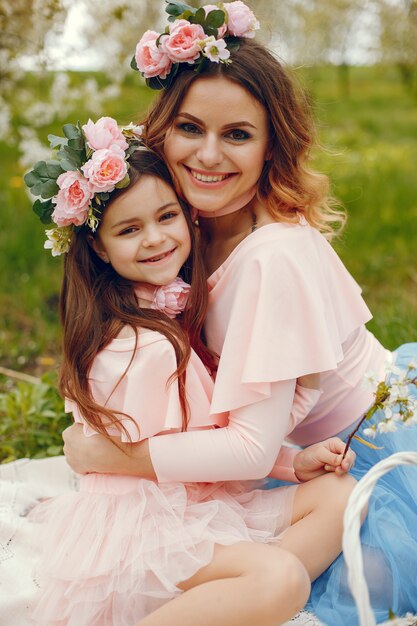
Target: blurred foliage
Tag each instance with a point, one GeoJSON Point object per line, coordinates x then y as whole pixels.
{"type": "Point", "coordinates": [32, 419]}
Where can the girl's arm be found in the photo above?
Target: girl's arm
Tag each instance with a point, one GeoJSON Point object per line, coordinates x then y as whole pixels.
{"type": "Point", "coordinates": [246, 448]}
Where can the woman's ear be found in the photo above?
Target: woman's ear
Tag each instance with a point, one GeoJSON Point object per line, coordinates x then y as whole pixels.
{"type": "Point", "coordinates": [95, 244]}
{"type": "Point", "coordinates": [268, 153]}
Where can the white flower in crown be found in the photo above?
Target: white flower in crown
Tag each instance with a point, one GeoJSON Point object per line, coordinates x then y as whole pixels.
{"type": "Point", "coordinates": [215, 49]}
{"type": "Point", "coordinates": [58, 240]}
{"type": "Point", "coordinates": [133, 131]}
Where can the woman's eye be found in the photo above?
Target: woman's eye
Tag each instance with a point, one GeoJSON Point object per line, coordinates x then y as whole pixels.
{"type": "Point", "coordinates": [238, 135]}
{"type": "Point", "coordinates": [187, 127]}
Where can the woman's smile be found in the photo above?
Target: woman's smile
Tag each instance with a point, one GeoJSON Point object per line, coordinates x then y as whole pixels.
{"type": "Point", "coordinates": [217, 153]}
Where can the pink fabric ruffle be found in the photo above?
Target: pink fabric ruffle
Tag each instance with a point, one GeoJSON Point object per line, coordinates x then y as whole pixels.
{"type": "Point", "coordinates": [280, 307]}
{"type": "Point", "coordinates": [153, 405]}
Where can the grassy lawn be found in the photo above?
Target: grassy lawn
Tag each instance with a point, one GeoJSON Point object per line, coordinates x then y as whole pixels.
{"type": "Point", "coordinates": [370, 156]}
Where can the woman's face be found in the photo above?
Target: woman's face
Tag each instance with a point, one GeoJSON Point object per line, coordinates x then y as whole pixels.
{"type": "Point", "coordinates": [217, 145]}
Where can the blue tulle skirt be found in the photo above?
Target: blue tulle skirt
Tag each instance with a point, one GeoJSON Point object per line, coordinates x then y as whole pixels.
{"type": "Point", "coordinates": [389, 533]}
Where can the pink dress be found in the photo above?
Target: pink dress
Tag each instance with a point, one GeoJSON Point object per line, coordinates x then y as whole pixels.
{"type": "Point", "coordinates": [281, 306]}
{"type": "Point", "coordinates": [118, 548]}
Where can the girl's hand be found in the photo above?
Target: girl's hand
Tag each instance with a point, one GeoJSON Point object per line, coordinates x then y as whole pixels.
{"type": "Point", "coordinates": [99, 454]}
{"type": "Point", "coordinates": [321, 458]}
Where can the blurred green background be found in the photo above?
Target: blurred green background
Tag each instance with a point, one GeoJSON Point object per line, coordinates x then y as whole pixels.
{"type": "Point", "coordinates": [367, 121]}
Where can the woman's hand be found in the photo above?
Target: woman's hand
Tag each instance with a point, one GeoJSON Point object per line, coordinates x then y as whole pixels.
{"type": "Point", "coordinates": [106, 456]}
{"type": "Point", "coordinates": [320, 458]}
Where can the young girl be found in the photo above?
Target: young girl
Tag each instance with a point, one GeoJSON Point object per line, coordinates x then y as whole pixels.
{"type": "Point", "coordinates": [237, 136]}
{"type": "Point", "coordinates": [118, 550]}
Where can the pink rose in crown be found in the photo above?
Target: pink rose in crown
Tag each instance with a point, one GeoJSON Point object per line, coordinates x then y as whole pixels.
{"type": "Point", "coordinates": [73, 199]}
{"type": "Point", "coordinates": [104, 133]}
{"type": "Point", "coordinates": [183, 42]}
{"type": "Point", "coordinates": [105, 169]}
{"type": "Point", "coordinates": [241, 21]}
{"type": "Point", "coordinates": [212, 7]}
{"type": "Point", "coordinates": [150, 59]}
{"type": "Point", "coordinates": [172, 298]}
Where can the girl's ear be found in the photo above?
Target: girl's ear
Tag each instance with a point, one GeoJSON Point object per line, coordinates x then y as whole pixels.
{"type": "Point", "coordinates": [95, 244]}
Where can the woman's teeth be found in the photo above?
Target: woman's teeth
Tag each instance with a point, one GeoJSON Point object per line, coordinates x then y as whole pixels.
{"type": "Point", "coordinates": [208, 178]}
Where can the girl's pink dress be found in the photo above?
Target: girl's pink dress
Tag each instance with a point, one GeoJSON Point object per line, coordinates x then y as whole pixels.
{"type": "Point", "coordinates": [117, 549]}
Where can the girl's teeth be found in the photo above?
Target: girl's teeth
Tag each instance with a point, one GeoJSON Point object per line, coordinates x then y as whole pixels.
{"type": "Point", "coordinates": [208, 179]}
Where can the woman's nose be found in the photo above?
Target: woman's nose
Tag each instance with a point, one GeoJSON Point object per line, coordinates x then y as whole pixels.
{"type": "Point", "coordinates": [209, 151]}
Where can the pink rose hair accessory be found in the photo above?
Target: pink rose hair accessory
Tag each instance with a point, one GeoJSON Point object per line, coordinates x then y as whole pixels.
{"type": "Point", "coordinates": [89, 163]}
{"type": "Point", "coordinates": [193, 37]}
{"type": "Point", "coordinates": [170, 299]}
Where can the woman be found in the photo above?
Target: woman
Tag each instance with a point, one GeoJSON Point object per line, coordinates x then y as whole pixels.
{"type": "Point", "coordinates": [284, 314]}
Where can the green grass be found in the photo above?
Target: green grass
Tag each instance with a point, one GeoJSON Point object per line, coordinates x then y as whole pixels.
{"type": "Point", "coordinates": [371, 156]}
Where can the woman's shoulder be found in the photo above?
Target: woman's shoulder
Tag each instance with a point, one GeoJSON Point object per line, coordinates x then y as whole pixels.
{"type": "Point", "coordinates": [278, 246]}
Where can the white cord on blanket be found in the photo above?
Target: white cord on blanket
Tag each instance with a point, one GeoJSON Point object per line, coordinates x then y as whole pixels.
{"type": "Point", "coordinates": [351, 540]}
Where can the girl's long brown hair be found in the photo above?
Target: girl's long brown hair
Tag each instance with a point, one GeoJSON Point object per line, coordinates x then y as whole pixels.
{"type": "Point", "coordinates": [96, 303]}
{"type": "Point", "coordinates": [287, 185]}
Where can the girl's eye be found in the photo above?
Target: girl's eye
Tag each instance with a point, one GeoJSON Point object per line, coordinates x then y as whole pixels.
{"type": "Point", "coordinates": [168, 216]}
{"type": "Point", "coordinates": [188, 127]}
{"type": "Point", "coordinates": [238, 134]}
{"type": "Point", "coordinates": [128, 231]}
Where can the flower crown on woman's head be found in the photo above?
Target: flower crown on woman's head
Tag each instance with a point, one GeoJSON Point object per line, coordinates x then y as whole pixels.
{"type": "Point", "coordinates": [195, 37]}
{"type": "Point", "coordinates": [91, 161]}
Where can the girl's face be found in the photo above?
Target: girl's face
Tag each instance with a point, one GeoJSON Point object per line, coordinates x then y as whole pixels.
{"type": "Point", "coordinates": [144, 233]}
{"type": "Point", "coordinates": [218, 143]}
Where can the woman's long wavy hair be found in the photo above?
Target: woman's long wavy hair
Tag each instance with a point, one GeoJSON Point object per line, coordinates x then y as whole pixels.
{"type": "Point", "coordinates": [287, 184]}
{"type": "Point", "coordinates": [96, 303]}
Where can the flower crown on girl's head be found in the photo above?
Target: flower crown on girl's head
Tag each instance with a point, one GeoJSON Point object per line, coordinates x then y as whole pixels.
{"type": "Point", "coordinates": [91, 161]}
{"type": "Point", "coordinates": [195, 37]}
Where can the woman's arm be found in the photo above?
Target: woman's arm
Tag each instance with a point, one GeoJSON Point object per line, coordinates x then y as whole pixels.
{"type": "Point", "coordinates": [245, 449]}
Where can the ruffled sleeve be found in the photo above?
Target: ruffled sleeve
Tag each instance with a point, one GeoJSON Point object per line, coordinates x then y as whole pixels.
{"type": "Point", "coordinates": [143, 392]}
{"type": "Point", "coordinates": [280, 308]}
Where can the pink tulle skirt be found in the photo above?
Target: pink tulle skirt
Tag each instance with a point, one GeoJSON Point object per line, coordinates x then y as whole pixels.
{"type": "Point", "coordinates": [116, 550]}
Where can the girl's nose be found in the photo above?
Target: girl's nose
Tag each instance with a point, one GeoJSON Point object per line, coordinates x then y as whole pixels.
{"type": "Point", "coordinates": [209, 151]}
{"type": "Point", "coordinates": [153, 236]}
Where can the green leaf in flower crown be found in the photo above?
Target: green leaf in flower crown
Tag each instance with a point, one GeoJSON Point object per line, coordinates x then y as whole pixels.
{"type": "Point", "coordinates": [73, 156]}
{"type": "Point", "coordinates": [215, 18]}
{"type": "Point", "coordinates": [233, 44]}
{"type": "Point", "coordinates": [199, 17]}
{"type": "Point", "coordinates": [134, 65]}
{"type": "Point", "coordinates": [211, 31]}
{"type": "Point", "coordinates": [49, 189]}
{"type": "Point", "coordinates": [71, 131]}
{"type": "Point", "coordinates": [77, 144]}
{"type": "Point", "coordinates": [42, 178]}
{"type": "Point", "coordinates": [54, 169]}
{"type": "Point", "coordinates": [123, 183]}
{"type": "Point", "coordinates": [176, 8]}
{"type": "Point", "coordinates": [56, 141]}
{"type": "Point", "coordinates": [44, 210]}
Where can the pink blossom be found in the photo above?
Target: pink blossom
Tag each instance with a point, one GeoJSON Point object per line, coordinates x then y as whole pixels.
{"type": "Point", "coordinates": [104, 133]}
{"type": "Point", "coordinates": [241, 21]}
{"type": "Point", "coordinates": [172, 298]}
{"type": "Point", "coordinates": [151, 60]}
{"type": "Point", "coordinates": [72, 200]}
{"type": "Point", "coordinates": [183, 42]}
{"type": "Point", "coordinates": [105, 169]}
{"type": "Point", "coordinates": [212, 7]}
